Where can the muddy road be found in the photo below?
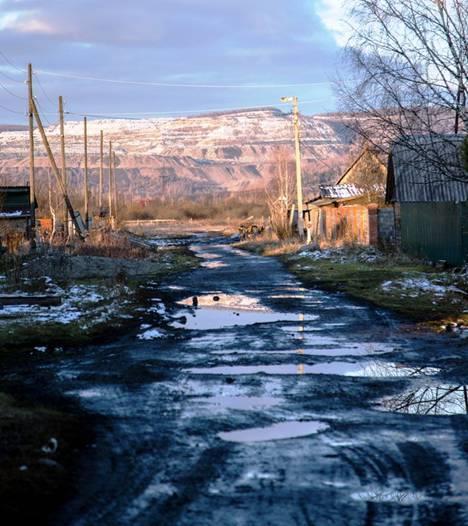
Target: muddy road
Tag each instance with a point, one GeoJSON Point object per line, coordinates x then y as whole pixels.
{"type": "Point", "coordinates": [267, 404]}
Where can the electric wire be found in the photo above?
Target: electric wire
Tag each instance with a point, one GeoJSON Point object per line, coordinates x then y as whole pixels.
{"type": "Point", "coordinates": [11, 92]}
{"type": "Point", "coordinates": [41, 87]}
{"type": "Point", "coordinates": [128, 115]}
{"type": "Point", "coordinates": [180, 85]}
{"type": "Point", "coordinates": [11, 111]}
{"type": "Point", "coordinates": [10, 63]}
{"type": "Point", "coordinates": [11, 79]}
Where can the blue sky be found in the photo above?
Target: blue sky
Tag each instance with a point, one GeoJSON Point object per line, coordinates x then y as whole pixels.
{"type": "Point", "coordinates": [197, 42]}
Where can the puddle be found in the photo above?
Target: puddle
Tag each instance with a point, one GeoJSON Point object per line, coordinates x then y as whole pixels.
{"type": "Point", "coordinates": [364, 369]}
{"type": "Point", "coordinates": [243, 403]}
{"type": "Point", "coordinates": [227, 301]}
{"type": "Point", "coordinates": [385, 495]}
{"type": "Point", "coordinates": [213, 264]}
{"type": "Point", "coordinates": [429, 400]}
{"type": "Point", "coordinates": [280, 431]}
{"type": "Point", "coordinates": [216, 311]}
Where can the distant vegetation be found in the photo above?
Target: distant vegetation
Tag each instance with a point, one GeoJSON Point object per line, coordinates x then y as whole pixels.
{"type": "Point", "coordinates": [215, 208]}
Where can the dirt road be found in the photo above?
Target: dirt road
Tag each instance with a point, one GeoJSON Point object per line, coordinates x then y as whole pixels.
{"type": "Point", "coordinates": [267, 404]}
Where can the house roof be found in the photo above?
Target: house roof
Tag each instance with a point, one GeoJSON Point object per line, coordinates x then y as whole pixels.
{"type": "Point", "coordinates": [340, 191]}
{"type": "Point", "coordinates": [354, 200]}
{"type": "Point", "coordinates": [365, 151]}
{"type": "Point", "coordinates": [14, 202]}
{"type": "Point", "coordinates": [427, 168]}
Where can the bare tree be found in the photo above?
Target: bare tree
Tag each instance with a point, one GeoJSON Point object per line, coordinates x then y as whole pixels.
{"type": "Point", "coordinates": [280, 195]}
{"type": "Point", "coordinates": [407, 71]}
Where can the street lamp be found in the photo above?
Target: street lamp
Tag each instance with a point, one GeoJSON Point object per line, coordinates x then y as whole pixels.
{"type": "Point", "coordinates": [297, 139]}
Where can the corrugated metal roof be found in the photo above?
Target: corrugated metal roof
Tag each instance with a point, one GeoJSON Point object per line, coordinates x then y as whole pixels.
{"type": "Point", "coordinates": [427, 169]}
{"type": "Point", "coordinates": [340, 191]}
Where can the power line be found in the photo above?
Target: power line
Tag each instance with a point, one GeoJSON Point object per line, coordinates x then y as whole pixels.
{"type": "Point", "coordinates": [11, 92]}
{"type": "Point", "coordinates": [125, 115]}
{"type": "Point", "coordinates": [43, 89]}
{"type": "Point", "coordinates": [180, 85]}
{"type": "Point", "coordinates": [11, 111]}
{"type": "Point", "coordinates": [11, 79]}
{"type": "Point", "coordinates": [10, 63]}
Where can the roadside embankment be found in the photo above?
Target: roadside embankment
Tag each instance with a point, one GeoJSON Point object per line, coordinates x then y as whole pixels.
{"type": "Point", "coordinates": [98, 286]}
{"type": "Point", "coordinates": [409, 287]}
{"type": "Point", "coordinates": [101, 289]}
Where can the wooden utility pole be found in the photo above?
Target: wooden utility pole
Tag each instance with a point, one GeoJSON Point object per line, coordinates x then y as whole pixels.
{"type": "Point", "coordinates": [32, 176]}
{"type": "Point", "coordinates": [297, 141]}
{"type": "Point", "coordinates": [64, 165]}
{"type": "Point", "coordinates": [101, 171]}
{"type": "Point", "coordinates": [86, 190]}
{"type": "Point", "coordinates": [56, 171]}
{"type": "Point", "coordinates": [110, 181]}
{"type": "Point", "coordinates": [115, 188]}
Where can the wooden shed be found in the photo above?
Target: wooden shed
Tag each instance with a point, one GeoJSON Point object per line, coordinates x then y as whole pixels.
{"type": "Point", "coordinates": [350, 212]}
{"type": "Point", "coordinates": [15, 215]}
{"type": "Point", "coordinates": [428, 187]}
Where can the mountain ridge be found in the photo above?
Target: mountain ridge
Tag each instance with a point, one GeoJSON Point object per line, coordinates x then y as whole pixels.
{"type": "Point", "coordinates": [221, 152]}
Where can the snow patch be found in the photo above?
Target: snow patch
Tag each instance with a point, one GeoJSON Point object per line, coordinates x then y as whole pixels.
{"type": "Point", "coordinates": [150, 334]}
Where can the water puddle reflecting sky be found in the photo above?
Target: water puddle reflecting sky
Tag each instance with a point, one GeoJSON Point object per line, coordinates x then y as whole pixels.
{"type": "Point", "coordinates": [363, 369]}
{"type": "Point", "coordinates": [279, 431]}
{"type": "Point", "coordinates": [216, 311]}
{"type": "Point", "coordinates": [242, 403]}
{"type": "Point", "coordinates": [386, 495]}
{"type": "Point", "coordinates": [429, 400]}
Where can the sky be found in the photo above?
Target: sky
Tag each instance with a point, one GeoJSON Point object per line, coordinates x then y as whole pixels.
{"type": "Point", "coordinates": [168, 57]}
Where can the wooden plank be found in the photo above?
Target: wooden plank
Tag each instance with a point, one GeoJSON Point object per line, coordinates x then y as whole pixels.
{"type": "Point", "coordinates": [44, 301]}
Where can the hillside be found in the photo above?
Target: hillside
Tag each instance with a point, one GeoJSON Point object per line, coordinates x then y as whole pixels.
{"type": "Point", "coordinates": [221, 152]}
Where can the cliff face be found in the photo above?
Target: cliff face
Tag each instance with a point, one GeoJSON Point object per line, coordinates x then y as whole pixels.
{"type": "Point", "coordinates": [223, 152]}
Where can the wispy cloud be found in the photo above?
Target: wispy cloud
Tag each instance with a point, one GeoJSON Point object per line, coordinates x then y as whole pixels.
{"type": "Point", "coordinates": [332, 13]}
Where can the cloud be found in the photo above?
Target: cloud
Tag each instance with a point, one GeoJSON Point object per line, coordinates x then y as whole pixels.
{"type": "Point", "coordinates": [333, 13]}
{"type": "Point", "coordinates": [199, 41]}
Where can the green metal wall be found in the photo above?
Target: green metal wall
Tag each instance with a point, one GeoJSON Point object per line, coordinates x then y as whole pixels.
{"type": "Point", "coordinates": [435, 231]}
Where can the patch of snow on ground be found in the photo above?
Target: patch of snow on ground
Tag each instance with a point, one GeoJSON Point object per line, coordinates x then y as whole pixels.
{"type": "Point", "coordinates": [150, 334]}
{"type": "Point", "coordinates": [417, 286]}
{"type": "Point", "coordinates": [71, 309]}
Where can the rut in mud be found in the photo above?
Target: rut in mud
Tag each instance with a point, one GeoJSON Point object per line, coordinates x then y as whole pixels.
{"type": "Point", "coordinates": [268, 404]}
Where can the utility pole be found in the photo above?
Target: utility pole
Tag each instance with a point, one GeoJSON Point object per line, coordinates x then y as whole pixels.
{"type": "Point", "coordinates": [32, 176]}
{"type": "Point", "coordinates": [64, 165]}
{"type": "Point", "coordinates": [86, 191]}
{"type": "Point", "coordinates": [56, 171]}
{"type": "Point", "coordinates": [297, 142]}
{"type": "Point", "coordinates": [101, 171]}
{"type": "Point", "coordinates": [110, 182]}
{"type": "Point", "coordinates": [115, 188]}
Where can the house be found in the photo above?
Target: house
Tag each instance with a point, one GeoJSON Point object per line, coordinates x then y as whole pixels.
{"type": "Point", "coordinates": [353, 210]}
{"type": "Point", "coordinates": [15, 215]}
{"type": "Point", "coordinates": [368, 173]}
{"type": "Point", "coordinates": [428, 187]}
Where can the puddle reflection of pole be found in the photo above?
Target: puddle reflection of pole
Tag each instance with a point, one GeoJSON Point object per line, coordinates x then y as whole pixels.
{"type": "Point", "coordinates": [301, 366]}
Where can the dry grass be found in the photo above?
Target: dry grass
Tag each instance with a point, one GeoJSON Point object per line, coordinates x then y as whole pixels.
{"type": "Point", "coordinates": [105, 243]}
{"type": "Point", "coordinates": [269, 245]}
{"type": "Point", "coordinates": [221, 209]}
{"type": "Point", "coordinates": [283, 248]}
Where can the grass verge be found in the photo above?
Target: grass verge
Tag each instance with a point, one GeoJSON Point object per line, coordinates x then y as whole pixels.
{"type": "Point", "coordinates": [116, 283]}
{"type": "Point", "coordinates": [410, 288]}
